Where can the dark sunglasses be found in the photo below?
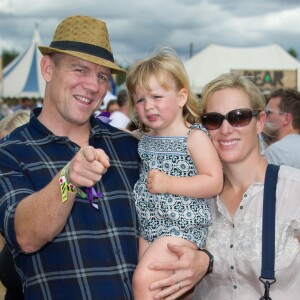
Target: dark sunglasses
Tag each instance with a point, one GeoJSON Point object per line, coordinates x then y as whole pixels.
{"type": "Point", "coordinates": [236, 118]}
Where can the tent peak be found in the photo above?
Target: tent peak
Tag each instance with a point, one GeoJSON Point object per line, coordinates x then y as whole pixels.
{"type": "Point", "coordinates": [22, 77]}
{"type": "Point", "coordinates": [36, 39]}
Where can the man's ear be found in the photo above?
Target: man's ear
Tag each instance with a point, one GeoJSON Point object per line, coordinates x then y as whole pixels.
{"type": "Point", "coordinates": [287, 119]}
{"type": "Point", "coordinates": [46, 66]}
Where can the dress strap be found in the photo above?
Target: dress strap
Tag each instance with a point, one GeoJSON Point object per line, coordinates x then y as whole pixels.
{"type": "Point", "coordinates": [198, 126]}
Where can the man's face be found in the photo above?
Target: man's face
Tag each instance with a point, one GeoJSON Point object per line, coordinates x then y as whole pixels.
{"type": "Point", "coordinates": [274, 115]}
{"type": "Point", "coordinates": [76, 89]}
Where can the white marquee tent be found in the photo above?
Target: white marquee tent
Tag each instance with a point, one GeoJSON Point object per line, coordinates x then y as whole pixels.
{"type": "Point", "coordinates": [22, 76]}
{"type": "Point", "coordinates": [215, 60]}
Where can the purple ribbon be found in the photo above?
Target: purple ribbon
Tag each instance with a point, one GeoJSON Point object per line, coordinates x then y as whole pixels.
{"type": "Point", "coordinates": [91, 193]}
{"type": "Point", "coordinates": [104, 117]}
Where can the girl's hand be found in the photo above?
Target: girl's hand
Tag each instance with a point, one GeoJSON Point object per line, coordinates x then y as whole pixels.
{"type": "Point", "coordinates": [158, 182]}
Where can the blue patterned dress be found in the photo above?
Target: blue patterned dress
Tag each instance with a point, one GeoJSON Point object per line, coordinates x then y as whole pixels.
{"type": "Point", "coordinates": [167, 214]}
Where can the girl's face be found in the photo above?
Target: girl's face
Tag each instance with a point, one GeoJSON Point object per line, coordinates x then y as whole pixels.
{"type": "Point", "coordinates": [234, 144]}
{"type": "Point", "coordinates": [160, 109]}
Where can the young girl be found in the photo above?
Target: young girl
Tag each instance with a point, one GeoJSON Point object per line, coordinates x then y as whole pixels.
{"type": "Point", "coordinates": [180, 165]}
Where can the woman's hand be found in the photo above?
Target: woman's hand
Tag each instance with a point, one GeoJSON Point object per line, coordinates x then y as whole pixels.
{"type": "Point", "coordinates": [191, 266]}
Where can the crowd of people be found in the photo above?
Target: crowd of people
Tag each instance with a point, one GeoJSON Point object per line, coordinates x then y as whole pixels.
{"type": "Point", "coordinates": [164, 200]}
{"type": "Point", "coordinates": [23, 103]}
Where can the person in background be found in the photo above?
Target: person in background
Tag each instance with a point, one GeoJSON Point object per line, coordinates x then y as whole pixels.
{"type": "Point", "coordinates": [109, 96]}
{"type": "Point", "coordinates": [2, 109]}
{"type": "Point", "coordinates": [14, 120]}
{"type": "Point", "coordinates": [24, 103]}
{"type": "Point", "coordinates": [5, 110]}
{"type": "Point", "coordinates": [39, 102]}
{"type": "Point", "coordinates": [283, 116]}
{"type": "Point", "coordinates": [120, 118]}
{"type": "Point", "coordinates": [112, 106]}
{"type": "Point", "coordinates": [8, 273]}
{"type": "Point", "coordinates": [180, 165]}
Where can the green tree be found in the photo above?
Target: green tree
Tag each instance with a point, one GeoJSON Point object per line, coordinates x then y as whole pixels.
{"type": "Point", "coordinates": [121, 77]}
{"type": "Point", "coordinates": [293, 52]}
{"type": "Point", "coordinates": [8, 56]}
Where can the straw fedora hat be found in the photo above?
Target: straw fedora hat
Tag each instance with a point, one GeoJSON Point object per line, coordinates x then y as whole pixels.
{"type": "Point", "coordinates": [83, 37]}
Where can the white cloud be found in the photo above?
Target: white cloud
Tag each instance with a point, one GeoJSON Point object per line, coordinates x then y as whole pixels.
{"type": "Point", "coordinates": [137, 27]}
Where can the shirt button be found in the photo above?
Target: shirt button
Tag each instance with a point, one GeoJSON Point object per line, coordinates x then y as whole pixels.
{"type": "Point", "coordinates": [232, 267]}
{"type": "Point", "coordinates": [241, 207]}
{"type": "Point", "coordinates": [233, 225]}
{"type": "Point", "coordinates": [245, 195]}
{"type": "Point", "coordinates": [76, 149]}
{"type": "Point", "coordinates": [235, 287]}
{"type": "Point", "coordinates": [231, 246]}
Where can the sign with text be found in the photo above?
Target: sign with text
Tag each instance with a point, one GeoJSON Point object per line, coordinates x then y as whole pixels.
{"type": "Point", "coordinates": [267, 80]}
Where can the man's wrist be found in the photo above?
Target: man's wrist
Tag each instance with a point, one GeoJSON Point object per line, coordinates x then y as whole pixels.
{"type": "Point", "coordinates": [211, 261]}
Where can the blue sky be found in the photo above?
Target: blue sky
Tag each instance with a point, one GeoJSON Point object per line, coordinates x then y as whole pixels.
{"type": "Point", "coordinates": [137, 27]}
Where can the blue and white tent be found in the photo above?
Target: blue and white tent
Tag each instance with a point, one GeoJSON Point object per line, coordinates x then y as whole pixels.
{"type": "Point", "coordinates": [22, 77]}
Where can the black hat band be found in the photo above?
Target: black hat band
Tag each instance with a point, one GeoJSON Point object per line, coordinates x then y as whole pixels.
{"type": "Point", "coordinates": [84, 48]}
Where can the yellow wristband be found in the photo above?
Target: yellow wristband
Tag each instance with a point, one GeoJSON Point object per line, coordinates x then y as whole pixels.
{"type": "Point", "coordinates": [65, 185]}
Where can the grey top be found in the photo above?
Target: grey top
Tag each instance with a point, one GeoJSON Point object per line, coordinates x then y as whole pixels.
{"type": "Point", "coordinates": [285, 152]}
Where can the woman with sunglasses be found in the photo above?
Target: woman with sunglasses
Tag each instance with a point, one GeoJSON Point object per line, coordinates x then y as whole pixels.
{"type": "Point", "coordinates": [233, 112]}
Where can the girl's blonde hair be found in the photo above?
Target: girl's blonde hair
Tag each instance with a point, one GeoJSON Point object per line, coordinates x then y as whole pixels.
{"type": "Point", "coordinates": [164, 65]}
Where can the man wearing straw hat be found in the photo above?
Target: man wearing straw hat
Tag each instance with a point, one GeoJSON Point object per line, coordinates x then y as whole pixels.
{"type": "Point", "coordinates": [66, 178]}
{"type": "Point", "coordinates": [66, 181]}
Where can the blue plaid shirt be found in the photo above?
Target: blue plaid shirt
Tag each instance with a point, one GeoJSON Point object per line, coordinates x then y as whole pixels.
{"type": "Point", "coordinates": [95, 255]}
